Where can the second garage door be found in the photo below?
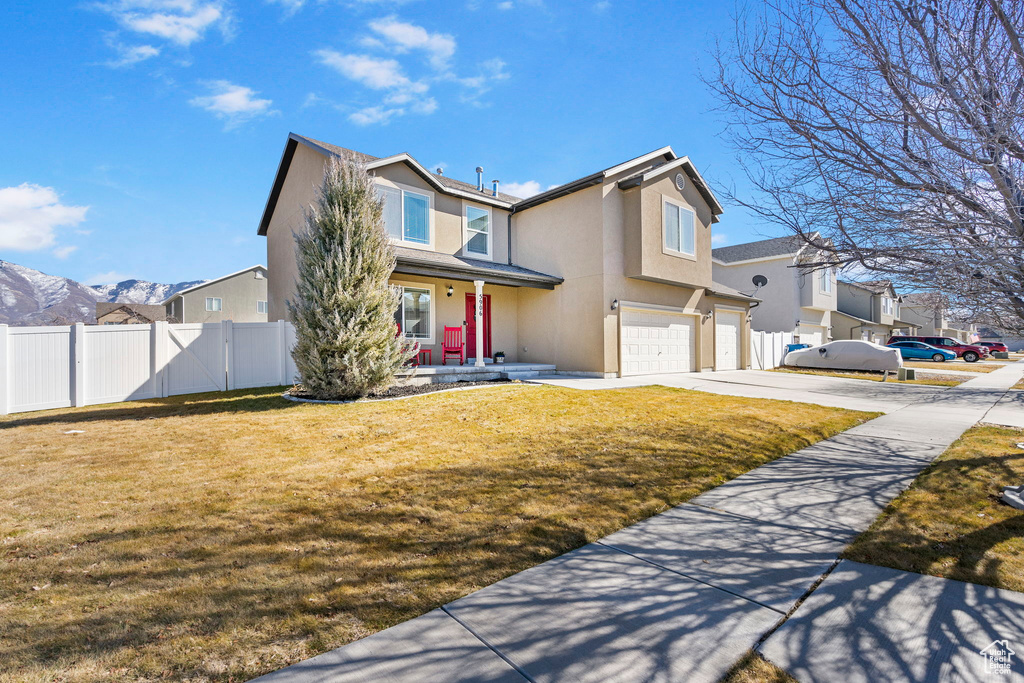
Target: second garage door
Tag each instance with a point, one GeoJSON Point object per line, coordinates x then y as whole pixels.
{"type": "Point", "coordinates": [727, 340]}
{"type": "Point", "coordinates": [811, 334]}
{"type": "Point", "coordinates": [656, 341]}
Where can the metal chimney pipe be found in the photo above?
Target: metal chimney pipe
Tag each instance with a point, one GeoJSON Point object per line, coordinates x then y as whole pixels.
{"type": "Point", "coordinates": [494, 189]}
{"type": "Point", "coordinates": [440, 171]}
{"type": "Point", "coordinates": [480, 178]}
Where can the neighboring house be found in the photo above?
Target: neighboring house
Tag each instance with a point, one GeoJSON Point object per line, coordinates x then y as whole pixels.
{"type": "Point", "coordinates": [927, 311]}
{"type": "Point", "coordinates": [114, 313]}
{"type": "Point", "coordinates": [794, 301]}
{"type": "Point", "coordinates": [240, 297]}
{"type": "Point", "coordinates": [870, 311]}
{"type": "Point", "coordinates": [606, 275]}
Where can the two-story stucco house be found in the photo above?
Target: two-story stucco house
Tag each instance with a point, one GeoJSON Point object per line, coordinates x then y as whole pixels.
{"type": "Point", "coordinates": [794, 300]}
{"type": "Point", "coordinates": [240, 297]}
{"type": "Point", "coordinates": [928, 312]}
{"type": "Point", "coordinates": [870, 311]}
{"type": "Point", "coordinates": [606, 275]}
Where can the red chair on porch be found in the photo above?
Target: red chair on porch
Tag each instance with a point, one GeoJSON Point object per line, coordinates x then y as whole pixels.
{"type": "Point", "coordinates": [452, 345]}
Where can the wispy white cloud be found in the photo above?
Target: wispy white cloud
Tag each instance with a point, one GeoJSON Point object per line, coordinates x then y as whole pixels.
{"type": "Point", "coordinates": [182, 22]}
{"type": "Point", "coordinates": [108, 278]}
{"type": "Point", "coordinates": [236, 104]}
{"type": "Point", "coordinates": [602, 6]}
{"type": "Point", "coordinates": [389, 72]}
{"type": "Point", "coordinates": [719, 239]}
{"type": "Point", "coordinates": [402, 37]}
{"type": "Point", "coordinates": [522, 190]}
{"type": "Point", "coordinates": [65, 251]}
{"type": "Point", "coordinates": [373, 72]}
{"type": "Point", "coordinates": [30, 215]}
{"type": "Point", "coordinates": [130, 55]}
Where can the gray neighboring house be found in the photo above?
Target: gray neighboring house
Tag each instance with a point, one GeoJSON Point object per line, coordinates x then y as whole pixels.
{"type": "Point", "coordinates": [240, 297]}
{"type": "Point", "coordinates": [870, 311]}
{"type": "Point", "coordinates": [793, 301]}
{"type": "Point", "coordinates": [928, 311]}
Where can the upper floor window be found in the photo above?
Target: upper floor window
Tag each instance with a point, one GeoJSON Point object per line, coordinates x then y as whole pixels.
{"type": "Point", "coordinates": [478, 232]}
{"type": "Point", "coordinates": [214, 303]}
{"type": "Point", "coordinates": [261, 307]}
{"type": "Point", "coordinates": [679, 228]}
{"type": "Point", "coordinates": [825, 281]}
{"type": "Point", "coordinates": [406, 214]}
{"type": "Point", "coordinates": [887, 305]}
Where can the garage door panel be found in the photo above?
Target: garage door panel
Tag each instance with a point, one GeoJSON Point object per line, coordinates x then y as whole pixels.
{"type": "Point", "coordinates": [811, 334]}
{"type": "Point", "coordinates": [671, 346]}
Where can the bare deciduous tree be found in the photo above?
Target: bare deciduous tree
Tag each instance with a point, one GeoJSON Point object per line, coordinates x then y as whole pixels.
{"type": "Point", "coordinates": [893, 128]}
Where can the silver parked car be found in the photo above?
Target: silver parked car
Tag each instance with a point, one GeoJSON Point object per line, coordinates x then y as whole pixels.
{"type": "Point", "coordinates": [847, 355]}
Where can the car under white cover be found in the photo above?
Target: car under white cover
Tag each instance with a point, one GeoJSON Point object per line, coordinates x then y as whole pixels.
{"type": "Point", "coordinates": [849, 354]}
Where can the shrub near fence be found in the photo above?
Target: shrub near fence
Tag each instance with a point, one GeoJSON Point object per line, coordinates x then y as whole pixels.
{"type": "Point", "coordinates": [78, 365]}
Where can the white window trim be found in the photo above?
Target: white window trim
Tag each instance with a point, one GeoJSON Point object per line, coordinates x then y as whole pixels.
{"type": "Point", "coordinates": [489, 256]}
{"type": "Point", "coordinates": [430, 213]}
{"type": "Point", "coordinates": [258, 311]}
{"type": "Point", "coordinates": [664, 241]}
{"type": "Point", "coordinates": [887, 303]}
{"type": "Point", "coordinates": [406, 284]}
{"type": "Point", "coordinates": [825, 275]}
{"type": "Point", "coordinates": [214, 310]}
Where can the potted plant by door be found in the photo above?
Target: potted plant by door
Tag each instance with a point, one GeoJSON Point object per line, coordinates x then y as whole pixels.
{"type": "Point", "coordinates": [499, 357]}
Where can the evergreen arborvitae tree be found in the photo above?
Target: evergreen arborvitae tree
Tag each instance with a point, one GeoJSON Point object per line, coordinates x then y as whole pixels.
{"type": "Point", "coordinates": [344, 308]}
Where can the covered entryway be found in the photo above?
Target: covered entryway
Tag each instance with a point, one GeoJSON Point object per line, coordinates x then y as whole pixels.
{"type": "Point", "coordinates": [728, 326]}
{"type": "Point", "coordinates": [811, 334]}
{"type": "Point", "coordinates": [655, 341]}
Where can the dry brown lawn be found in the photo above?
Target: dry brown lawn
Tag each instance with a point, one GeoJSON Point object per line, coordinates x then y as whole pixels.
{"type": "Point", "coordinates": [755, 669]}
{"type": "Point", "coordinates": [958, 365]}
{"type": "Point", "coordinates": [950, 523]}
{"type": "Point", "coordinates": [935, 380]}
{"type": "Point", "coordinates": [221, 536]}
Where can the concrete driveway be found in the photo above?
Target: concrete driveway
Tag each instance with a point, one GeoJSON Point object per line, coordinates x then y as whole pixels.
{"type": "Point", "coordinates": [834, 392]}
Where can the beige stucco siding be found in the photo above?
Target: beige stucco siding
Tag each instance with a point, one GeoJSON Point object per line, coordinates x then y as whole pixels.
{"type": "Point", "coordinates": [448, 230]}
{"type": "Point", "coordinates": [238, 295]}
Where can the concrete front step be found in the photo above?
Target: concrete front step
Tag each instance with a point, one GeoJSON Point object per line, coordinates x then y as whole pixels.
{"type": "Point", "coordinates": [428, 374]}
{"type": "Point", "coordinates": [521, 375]}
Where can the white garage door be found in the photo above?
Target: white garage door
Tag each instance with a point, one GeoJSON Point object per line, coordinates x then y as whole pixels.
{"type": "Point", "coordinates": [655, 341]}
{"type": "Point", "coordinates": [811, 334]}
{"type": "Point", "coordinates": [727, 340]}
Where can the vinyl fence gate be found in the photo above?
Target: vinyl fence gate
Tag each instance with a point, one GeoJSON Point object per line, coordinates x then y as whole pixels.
{"type": "Point", "coordinates": [80, 365]}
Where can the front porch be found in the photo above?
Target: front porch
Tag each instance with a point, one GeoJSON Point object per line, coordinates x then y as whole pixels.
{"type": "Point", "coordinates": [431, 374]}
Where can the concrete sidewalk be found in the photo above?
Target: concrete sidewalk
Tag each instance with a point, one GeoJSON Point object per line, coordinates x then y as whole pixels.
{"type": "Point", "coordinates": [682, 595]}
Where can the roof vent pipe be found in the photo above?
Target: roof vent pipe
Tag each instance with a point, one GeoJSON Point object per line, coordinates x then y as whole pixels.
{"type": "Point", "coordinates": [494, 188]}
{"type": "Point", "coordinates": [480, 178]}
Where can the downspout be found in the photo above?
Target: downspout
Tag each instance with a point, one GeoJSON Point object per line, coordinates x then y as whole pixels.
{"type": "Point", "coordinates": [510, 234]}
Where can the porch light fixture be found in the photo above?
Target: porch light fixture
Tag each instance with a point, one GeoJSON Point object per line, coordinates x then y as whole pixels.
{"type": "Point", "coordinates": [615, 304]}
{"type": "Point", "coordinates": [707, 316]}
{"type": "Point", "coordinates": [451, 290]}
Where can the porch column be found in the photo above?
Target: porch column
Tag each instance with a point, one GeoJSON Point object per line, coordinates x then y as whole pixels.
{"type": "Point", "coordinates": [479, 309]}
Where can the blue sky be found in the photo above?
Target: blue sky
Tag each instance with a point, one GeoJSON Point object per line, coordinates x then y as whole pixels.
{"type": "Point", "coordinates": [140, 137]}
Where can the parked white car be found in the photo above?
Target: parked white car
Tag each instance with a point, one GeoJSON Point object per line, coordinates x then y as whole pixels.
{"type": "Point", "coordinates": [848, 354]}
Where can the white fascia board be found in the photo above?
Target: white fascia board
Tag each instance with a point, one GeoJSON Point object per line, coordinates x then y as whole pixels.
{"type": "Point", "coordinates": [438, 185]}
{"type": "Point", "coordinates": [625, 166]}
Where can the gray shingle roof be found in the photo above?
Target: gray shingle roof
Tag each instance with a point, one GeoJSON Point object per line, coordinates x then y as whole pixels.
{"type": "Point", "coordinates": [443, 179]}
{"type": "Point", "coordinates": [777, 246]}
{"type": "Point", "coordinates": [470, 267]}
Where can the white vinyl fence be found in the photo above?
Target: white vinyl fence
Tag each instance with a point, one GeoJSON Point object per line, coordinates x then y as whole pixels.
{"type": "Point", "coordinates": [768, 349]}
{"type": "Point", "coordinates": [79, 365]}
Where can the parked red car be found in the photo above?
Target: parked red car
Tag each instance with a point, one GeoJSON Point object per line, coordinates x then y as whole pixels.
{"type": "Point", "coordinates": [969, 352]}
{"type": "Point", "coordinates": [994, 346]}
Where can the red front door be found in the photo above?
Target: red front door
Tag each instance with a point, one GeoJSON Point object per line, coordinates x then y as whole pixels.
{"type": "Point", "coordinates": [471, 326]}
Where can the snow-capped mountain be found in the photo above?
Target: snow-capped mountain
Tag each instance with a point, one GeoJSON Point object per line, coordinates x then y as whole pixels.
{"type": "Point", "coordinates": [30, 297]}
{"type": "Point", "coordinates": [141, 291]}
